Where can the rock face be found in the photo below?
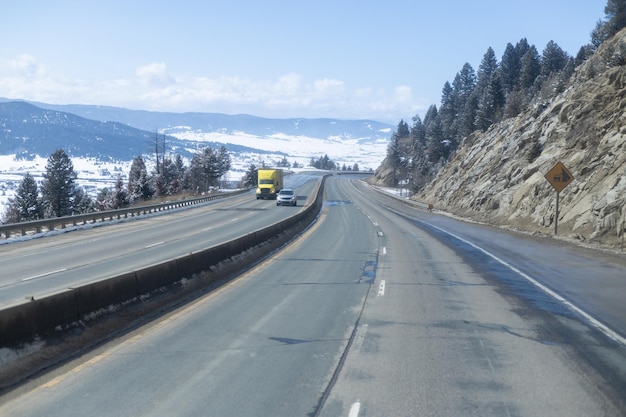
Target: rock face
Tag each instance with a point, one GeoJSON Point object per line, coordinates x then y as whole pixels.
{"type": "Point", "coordinates": [498, 176]}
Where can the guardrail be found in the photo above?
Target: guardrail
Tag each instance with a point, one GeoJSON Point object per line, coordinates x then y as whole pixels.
{"type": "Point", "coordinates": [23, 320]}
{"type": "Point", "coordinates": [39, 226]}
{"type": "Point", "coordinates": [403, 200]}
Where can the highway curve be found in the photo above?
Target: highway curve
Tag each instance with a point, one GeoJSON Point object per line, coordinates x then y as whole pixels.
{"type": "Point", "coordinates": [378, 309]}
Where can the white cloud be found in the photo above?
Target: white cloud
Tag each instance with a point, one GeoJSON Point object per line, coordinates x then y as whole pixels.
{"type": "Point", "coordinates": [154, 74]}
{"type": "Point", "coordinates": [288, 84]}
{"type": "Point", "coordinates": [26, 66]}
{"type": "Point", "coordinates": [329, 87]}
{"type": "Point", "coordinates": [403, 94]}
{"type": "Point", "coordinates": [154, 87]}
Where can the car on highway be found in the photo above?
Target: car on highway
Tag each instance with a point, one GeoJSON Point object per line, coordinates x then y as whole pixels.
{"type": "Point", "coordinates": [287, 197]}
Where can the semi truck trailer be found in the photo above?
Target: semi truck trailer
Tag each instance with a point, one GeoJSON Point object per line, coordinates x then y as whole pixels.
{"type": "Point", "coordinates": [270, 182]}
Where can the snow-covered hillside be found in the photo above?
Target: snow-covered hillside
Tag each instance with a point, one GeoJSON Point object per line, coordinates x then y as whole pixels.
{"type": "Point", "coordinates": [94, 175]}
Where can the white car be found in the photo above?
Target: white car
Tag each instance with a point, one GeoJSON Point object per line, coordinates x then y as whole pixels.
{"type": "Point", "coordinates": [287, 196]}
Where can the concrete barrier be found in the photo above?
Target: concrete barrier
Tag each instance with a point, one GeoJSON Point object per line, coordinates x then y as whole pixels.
{"type": "Point", "coordinates": [193, 264]}
{"type": "Point", "coordinates": [21, 322]}
{"type": "Point", "coordinates": [157, 276]}
{"type": "Point", "coordinates": [101, 294]}
{"type": "Point", "coordinates": [37, 316]}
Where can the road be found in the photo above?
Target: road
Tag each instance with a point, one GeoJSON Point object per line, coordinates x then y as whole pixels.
{"type": "Point", "coordinates": [37, 267]}
{"type": "Point", "coordinates": [378, 309]}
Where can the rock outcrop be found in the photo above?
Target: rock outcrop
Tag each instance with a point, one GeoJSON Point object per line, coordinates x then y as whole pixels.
{"type": "Point", "coordinates": [498, 176]}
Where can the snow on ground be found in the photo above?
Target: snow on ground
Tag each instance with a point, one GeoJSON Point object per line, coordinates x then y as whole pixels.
{"type": "Point", "coordinates": [348, 151]}
{"type": "Point", "coordinates": [94, 175]}
{"type": "Point", "coordinates": [367, 154]}
{"type": "Point", "coordinates": [9, 355]}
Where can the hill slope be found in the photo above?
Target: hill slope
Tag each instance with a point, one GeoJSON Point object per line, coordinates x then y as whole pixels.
{"type": "Point", "coordinates": [498, 176]}
{"type": "Point", "coordinates": [172, 123]}
{"type": "Point", "coordinates": [28, 130]}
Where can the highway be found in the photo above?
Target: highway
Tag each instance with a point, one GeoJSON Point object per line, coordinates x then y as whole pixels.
{"type": "Point", "coordinates": [378, 309]}
{"type": "Point", "coordinates": [37, 267]}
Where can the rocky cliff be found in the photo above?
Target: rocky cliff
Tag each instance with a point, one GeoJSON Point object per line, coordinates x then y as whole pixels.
{"type": "Point", "coordinates": [498, 176]}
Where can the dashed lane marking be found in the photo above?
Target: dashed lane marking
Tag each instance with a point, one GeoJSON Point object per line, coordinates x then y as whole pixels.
{"type": "Point", "coordinates": [381, 288]}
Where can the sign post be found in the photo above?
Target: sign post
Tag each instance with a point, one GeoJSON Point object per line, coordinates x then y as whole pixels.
{"type": "Point", "coordinates": [559, 177]}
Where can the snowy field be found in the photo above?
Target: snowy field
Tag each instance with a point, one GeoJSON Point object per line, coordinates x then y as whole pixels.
{"type": "Point", "coordinates": [94, 175]}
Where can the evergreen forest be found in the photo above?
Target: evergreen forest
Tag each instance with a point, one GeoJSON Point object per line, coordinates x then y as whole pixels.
{"type": "Point", "coordinates": [475, 100]}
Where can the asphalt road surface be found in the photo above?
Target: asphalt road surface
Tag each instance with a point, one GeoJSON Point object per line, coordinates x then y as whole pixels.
{"type": "Point", "coordinates": [37, 267]}
{"type": "Point", "coordinates": [377, 310]}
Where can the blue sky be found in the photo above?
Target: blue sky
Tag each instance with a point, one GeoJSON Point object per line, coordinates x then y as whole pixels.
{"type": "Point", "coordinates": [382, 60]}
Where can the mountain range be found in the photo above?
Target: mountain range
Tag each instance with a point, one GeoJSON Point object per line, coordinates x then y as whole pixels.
{"type": "Point", "coordinates": [28, 129]}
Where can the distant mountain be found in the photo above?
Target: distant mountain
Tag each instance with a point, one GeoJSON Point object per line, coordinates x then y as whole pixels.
{"type": "Point", "coordinates": [224, 123]}
{"type": "Point", "coordinates": [28, 130]}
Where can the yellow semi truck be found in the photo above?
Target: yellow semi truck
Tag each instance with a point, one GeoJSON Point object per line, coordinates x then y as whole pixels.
{"type": "Point", "coordinates": [270, 182]}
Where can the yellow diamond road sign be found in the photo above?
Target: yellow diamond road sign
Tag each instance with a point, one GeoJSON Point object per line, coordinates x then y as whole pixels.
{"type": "Point", "coordinates": [559, 177]}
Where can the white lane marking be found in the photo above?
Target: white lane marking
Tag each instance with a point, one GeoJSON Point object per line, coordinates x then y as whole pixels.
{"type": "Point", "coordinates": [594, 322]}
{"type": "Point", "coordinates": [44, 275]}
{"type": "Point", "coordinates": [360, 337]}
{"type": "Point", "coordinates": [207, 228]}
{"type": "Point", "coordinates": [153, 245]}
{"type": "Point", "coordinates": [381, 288]}
{"type": "Point", "coordinates": [354, 409]}
{"type": "Point", "coordinates": [384, 251]}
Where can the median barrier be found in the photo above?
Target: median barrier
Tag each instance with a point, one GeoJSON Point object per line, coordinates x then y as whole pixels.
{"type": "Point", "coordinates": [157, 276]}
{"type": "Point", "coordinates": [101, 294]}
{"type": "Point", "coordinates": [193, 263]}
{"type": "Point", "coordinates": [38, 316]}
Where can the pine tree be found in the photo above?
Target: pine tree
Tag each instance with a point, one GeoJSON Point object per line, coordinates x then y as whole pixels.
{"type": "Point", "coordinates": [553, 60]}
{"type": "Point", "coordinates": [11, 213]}
{"type": "Point", "coordinates": [170, 177]}
{"type": "Point", "coordinates": [159, 185]}
{"type": "Point", "coordinates": [583, 54]}
{"type": "Point", "coordinates": [223, 161]}
{"type": "Point", "coordinates": [58, 187]}
{"type": "Point", "coordinates": [435, 141]}
{"type": "Point", "coordinates": [521, 48]}
{"type": "Point", "coordinates": [487, 92]}
{"type": "Point", "coordinates": [403, 129]}
{"type": "Point", "coordinates": [448, 112]}
{"type": "Point", "coordinates": [26, 205]}
{"type": "Point", "coordinates": [418, 136]}
{"type": "Point", "coordinates": [207, 166]}
{"type": "Point", "coordinates": [251, 176]}
{"type": "Point", "coordinates": [104, 200]}
{"type": "Point", "coordinates": [82, 202]}
{"type": "Point", "coordinates": [176, 175]}
{"type": "Point", "coordinates": [510, 66]}
{"type": "Point", "coordinates": [394, 157]}
{"type": "Point", "coordinates": [463, 87]}
{"type": "Point", "coordinates": [120, 194]}
{"type": "Point", "coordinates": [615, 11]}
{"type": "Point", "coordinates": [490, 104]}
{"type": "Point", "coordinates": [531, 68]}
{"type": "Point", "coordinates": [487, 68]}
{"type": "Point", "coordinates": [599, 34]}
{"type": "Point", "coordinates": [139, 183]}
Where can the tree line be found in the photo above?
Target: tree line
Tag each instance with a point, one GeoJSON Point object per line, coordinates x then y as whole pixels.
{"type": "Point", "coordinates": [59, 195]}
{"type": "Point", "coordinates": [323, 162]}
{"type": "Point", "coordinates": [476, 100]}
